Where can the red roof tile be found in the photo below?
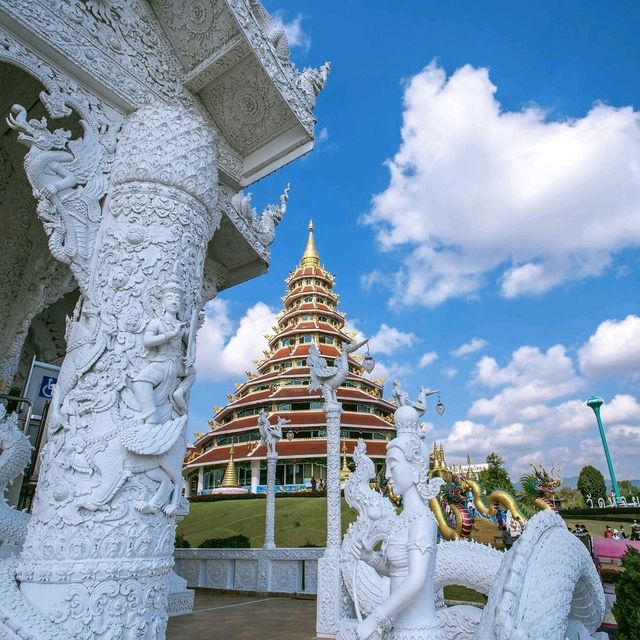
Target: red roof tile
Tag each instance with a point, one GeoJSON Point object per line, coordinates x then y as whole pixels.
{"type": "Point", "coordinates": [307, 448]}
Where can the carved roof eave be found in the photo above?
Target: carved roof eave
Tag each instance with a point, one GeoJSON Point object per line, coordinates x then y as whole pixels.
{"type": "Point", "coordinates": [282, 74]}
{"type": "Point", "coordinates": [147, 68]}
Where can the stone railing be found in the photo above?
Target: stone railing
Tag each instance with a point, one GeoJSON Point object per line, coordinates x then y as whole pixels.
{"type": "Point", "coordinates": [259, 570]}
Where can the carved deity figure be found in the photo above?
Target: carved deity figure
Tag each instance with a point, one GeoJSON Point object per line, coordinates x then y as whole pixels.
{"type": "Point", "coordinates": [270, 434]}
{"type": "Point", "coordinates": [329, 378]}
{"type": "Point", "coordinates": [168, 374]}
{"type": "Point", "coordinates": [408, 552]}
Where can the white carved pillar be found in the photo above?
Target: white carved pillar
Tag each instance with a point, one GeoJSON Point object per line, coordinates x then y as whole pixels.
{"type": "Point", "coordinates": [99, 546]}
{"type": "Point", "coordinates": [329, 582]}
{"type": "Point", "coordinates": [200, 481]}
{"type": "Point", "coordinates": [270, 517]}
{"type": "Point", "coordinates": [255, 475]}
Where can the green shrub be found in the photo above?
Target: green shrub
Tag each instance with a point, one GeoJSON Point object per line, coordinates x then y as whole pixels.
{"type": "Point", "coordinates": [232, 542]}
{"type": "Point", "coordinates": [626, 609]}
{"type": "Point", "coordinates": [181, 542]}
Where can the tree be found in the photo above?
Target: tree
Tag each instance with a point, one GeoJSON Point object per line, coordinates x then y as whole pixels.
{"type": "Point", "coordinates": [626, 609]}
{"type": "Point", "coordinates": [570, 498]}
{"type": "Point", "coordinates": [591, 482]}
{"type": "Point", "coordinates": [628, 489]}
{"type": "Point", "coordinates": [495, 476]}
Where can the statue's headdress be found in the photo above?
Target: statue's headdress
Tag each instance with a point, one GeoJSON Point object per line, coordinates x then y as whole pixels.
{"type": "Point", "coordinates": [173, 284]}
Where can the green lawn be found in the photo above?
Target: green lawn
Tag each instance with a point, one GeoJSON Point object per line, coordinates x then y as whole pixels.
{"type": "Point", "coordinates": [299, 521]}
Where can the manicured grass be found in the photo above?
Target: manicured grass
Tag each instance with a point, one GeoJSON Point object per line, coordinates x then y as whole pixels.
{"type": "Point", "coordinates": [299, 521]}
{"type": "Point", "coordinates": [462, 594]}
{"type": "Point", "coordinates": [596, 526]}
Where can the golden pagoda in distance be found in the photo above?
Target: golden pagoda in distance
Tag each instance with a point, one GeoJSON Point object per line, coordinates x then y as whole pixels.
{"type": "Point", "coordinates": [281, 387]}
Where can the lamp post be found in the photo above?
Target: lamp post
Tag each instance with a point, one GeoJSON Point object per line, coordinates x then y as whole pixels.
{"type": "Point", "coordinates": [595, 403]}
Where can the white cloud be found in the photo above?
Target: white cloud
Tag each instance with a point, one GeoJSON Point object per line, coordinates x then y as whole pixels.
{"type": "Point", "coordinates": [388, 340]}
{"type": "Point", "coordinates": [475, 344]}
{"type": "Point", "coordinates": [427, 358]}
{"type": "Point", "coordinates": [533, 415]}
{"type": "Point", "coordinates": [476, 190]}
{"type": "Point", "coordinates": [613, 350]}
{"type": "Point", "coordinates": [225, 350]}
{"type": "Point", "coordinates": [531, 379]}
{"type": "Point", "coordinates": [449, 372]}
{"type": "Point", "coordinates": [323, 136]}
{"type": "Point", "coordinates": [297, 37]}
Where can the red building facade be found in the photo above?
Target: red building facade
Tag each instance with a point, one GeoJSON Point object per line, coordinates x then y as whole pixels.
{"type": "Point", "coordinates": [281, 386]}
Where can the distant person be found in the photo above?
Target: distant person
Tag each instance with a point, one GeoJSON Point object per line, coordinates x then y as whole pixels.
{"type": "Point", "coordinates": [585, 537]}
{"type": "Point", "coordinates": [616, 534]}
{"type": "Point", "coordinates": [635, 531]}
{"type": "Point", "coordinates": [607, 532]}
{"type": "Point", "coordinates": [321, 485]}
{"type": "Point", "coordinates": [515, 528]}
{"type": "Point", "coordinates": [623, 533]}
{"type": "Point", "coordinates": [314, 482]}
{"type": "Point", "coordinates": [507, 540]}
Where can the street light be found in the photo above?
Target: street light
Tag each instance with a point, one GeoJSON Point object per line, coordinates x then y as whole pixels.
{"type": "Point", "coordinates": [595, 403]}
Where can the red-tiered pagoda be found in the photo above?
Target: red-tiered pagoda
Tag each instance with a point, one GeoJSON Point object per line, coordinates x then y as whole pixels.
{"type": "Point", "coordinates": [281, 386]}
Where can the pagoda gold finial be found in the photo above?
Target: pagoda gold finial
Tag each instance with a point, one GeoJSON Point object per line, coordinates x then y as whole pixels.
{"type": "Point", "coordinates": [230, 480]}
{"type": "Point", "coordinates": [344, 472]}
{"type": "Point", "coordinates": [310, 256]}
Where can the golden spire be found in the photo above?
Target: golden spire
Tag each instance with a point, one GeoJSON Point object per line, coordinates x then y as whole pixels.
{"type": "Point", "coordinates": [230, 480]}
{"type": "Point", "coordinates": [344, 472]}
{"type": "Point", "coordinates": [310, 256]}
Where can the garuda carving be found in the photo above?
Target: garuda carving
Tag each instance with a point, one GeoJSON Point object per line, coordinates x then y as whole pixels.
{"type": "Point", "coordinates": [329, 378]}
{"type": "Point", "coordinates": [270, 434]}
{"type": "Point", "coordinates": [68, 178]}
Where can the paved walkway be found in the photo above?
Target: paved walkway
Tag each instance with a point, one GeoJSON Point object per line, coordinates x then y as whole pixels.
{"type": "Point", "coordinates": [231, 616]}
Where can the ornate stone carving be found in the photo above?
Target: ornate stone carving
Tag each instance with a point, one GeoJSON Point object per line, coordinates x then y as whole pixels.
{"type": "Point", "coordinates": [329, 378]}
{"type": "Point", "coordinates": [311, 82]}
{"type": "Point", "coordinates": [105, 454]}
{"type": "Point", "coordinates": [68, 178]}
{"type": "Point", "coordinates": [15, 454]}
{"type": "Point", "coordinates": [265, 224]}
{"type": "Point", "coordinates": [115, 42]}
{"type": "Point", "coordinates": [270, 434]}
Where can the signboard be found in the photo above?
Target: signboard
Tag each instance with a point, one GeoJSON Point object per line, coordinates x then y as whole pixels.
{"type": "Point", "coordinates": [39, 385]}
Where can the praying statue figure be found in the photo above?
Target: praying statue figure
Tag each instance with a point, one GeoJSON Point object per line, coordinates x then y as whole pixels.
{"type": "Point", "coordinates": [408, 552]}
{"type": "Point", "coordinates": [270, 434]}
{"type": "Point", "coordinates": [163, 383]}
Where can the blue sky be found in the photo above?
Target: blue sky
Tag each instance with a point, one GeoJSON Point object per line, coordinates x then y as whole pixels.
{"type": "Point", "coordinates": [475, 188]}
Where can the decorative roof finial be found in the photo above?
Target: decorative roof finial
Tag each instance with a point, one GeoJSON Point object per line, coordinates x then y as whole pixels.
{"type": "Point", "coordinates": [310, 256]}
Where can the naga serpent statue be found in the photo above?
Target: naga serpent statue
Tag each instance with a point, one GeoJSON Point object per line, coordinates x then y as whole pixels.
{"type": "Point", "coordinates": [463, 496]}
{"type": "Point", "coordinates": [544, 588]}
{"type": "Point", "coordinates": [15, 454]}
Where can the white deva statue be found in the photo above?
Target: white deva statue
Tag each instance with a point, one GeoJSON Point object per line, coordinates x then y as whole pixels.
{"type": "Point", "coordinates": [409, 545]}
{"type": "Point", "coordinates": [164, 381]}
{"type": "Point", "coordinates": [270, 434]}
{"type": "Point", "coordinates": [544, 588]}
